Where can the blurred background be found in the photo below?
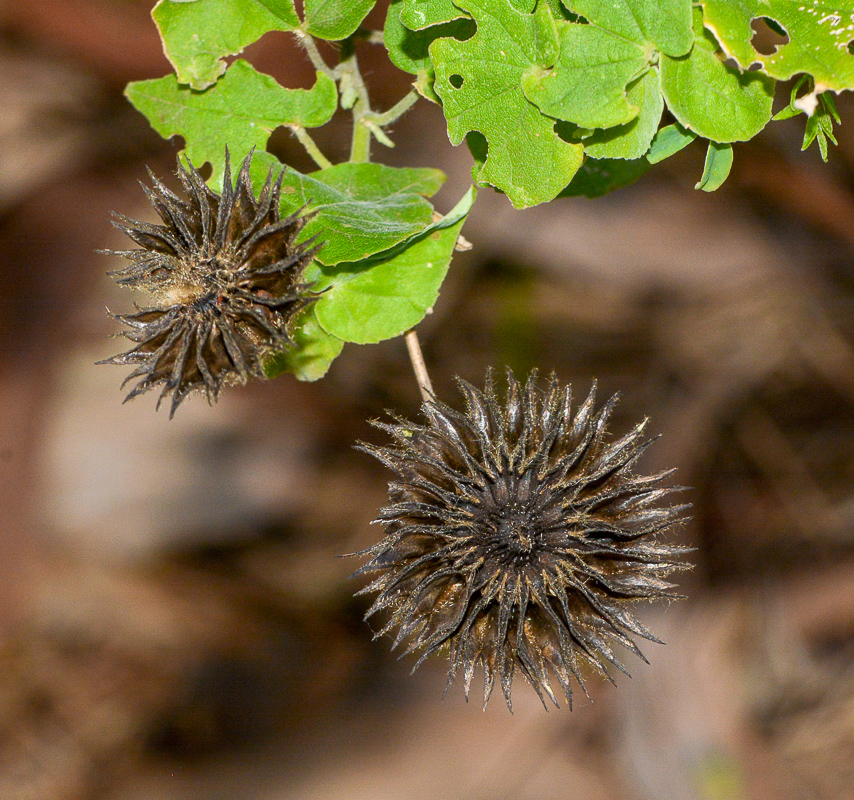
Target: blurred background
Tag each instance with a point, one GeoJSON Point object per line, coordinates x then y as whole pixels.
{"type": "Point", "coordinates": [174, 621]}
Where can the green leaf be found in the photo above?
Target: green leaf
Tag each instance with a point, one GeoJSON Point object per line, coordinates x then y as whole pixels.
{"type": "Point", "coordinates": [479, 81]}
{"type": "Point", "coordinates": [631, 140]}
{"type": "Point", "coordinates": [408, 49]}
{"type": "Point", "coordinates": [196, 36]}
{"type": "Point", "coordinates": [240, 111]}
{"type": "Point", "coordinates": [819, 34]}
{"type": "Point", "coordinates": [820, 125]}
{"type": "Point", "coordinates": [663, 24]}
{"type": "Point", "coordinates": [669, 140]}
{"type": "Point", "coordinates": [386, 295]}
{"type": "Point", "coordinates": [820, 122]}
{"type": "Point", "coordinates": [717, 167]}
{"type": "Point", "coordinates": [419, 14]}
{"type": "Point", "coordinates": [711, 98]}
{"type": "Point", "coordinates": [361, 209]}
{"type": "Point", "coordinates": [335, 19]}
{"type": "Point", "coordinates": [600, 176]}
{"type": "Point", "coordinates": [560, 11]}
{"type": "Point", "coordinates": [600, 60]}
{"type": "Point", "coordinates": [314, 352]}
{"type": "Point", "coordinates": [588, 83]}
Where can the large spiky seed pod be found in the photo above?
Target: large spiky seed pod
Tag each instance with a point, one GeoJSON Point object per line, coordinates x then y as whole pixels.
{"type": "Point", "coordinates": [518, 536]}
{"type": "Point", "coordinates": [225, 272]}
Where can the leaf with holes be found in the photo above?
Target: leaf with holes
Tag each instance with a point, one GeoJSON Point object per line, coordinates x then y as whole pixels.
{"type": "Point", "coordinates": [386, 295]}
{"type": "Point", "coordinates": [197, 36]}
{"type": "Point", "coordinates": [560, 11]}
{"type": "Point", "coordinates": [408, 49]}
{"type": "Point", "coordinates": [241, 111]}
{"type": "Point", "coordinates": [419, 14]}
{"type": "Point", "coordinates": [480, 84]}
{"type": "Point", "coordinates": [335, 19]}
{"type": "Point", "coordinates": [711, 98]}
{"type": "Point", "coordinates": [820, 34]}
{"type": "Point", "coordinates": [361, 209]}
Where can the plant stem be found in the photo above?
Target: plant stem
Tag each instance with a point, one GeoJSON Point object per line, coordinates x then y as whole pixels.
{"type": "Point", "coordinates": [314, 54]}
{"type": "Point", "coordinates": [360, 146]}
{"type": "Point", "coordinates": [397, 110]}
{"type": "Point", "coordinates": [311, 147]}
{"type": "Point", "coordinates": [418, 365]}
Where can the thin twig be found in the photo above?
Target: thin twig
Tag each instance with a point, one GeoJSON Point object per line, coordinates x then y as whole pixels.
{"type": "Point", "coordinates": [311, 146]}
{"type": "Point", "coordinates": [418, 365]}
{"type": "Point", "coordinates": [314, 54]}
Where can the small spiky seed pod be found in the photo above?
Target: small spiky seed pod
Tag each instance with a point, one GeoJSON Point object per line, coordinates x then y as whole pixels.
{"type": "Point", "coordinates": [225, 273]}
{"type": "Point", "coordinates": [517, 537]}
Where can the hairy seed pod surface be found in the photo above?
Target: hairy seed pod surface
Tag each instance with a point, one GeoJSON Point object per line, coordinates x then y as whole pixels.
{"type": "Point", "coordinates": [225, 273]}
{"type": "Point", "coordinates": [518, 537]}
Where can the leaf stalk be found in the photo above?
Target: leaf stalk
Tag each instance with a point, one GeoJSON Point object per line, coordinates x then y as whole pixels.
{"type": "Point", "coordinates": [360, 146]}
{"type": "Point", "coordinates": [418, 365]}
{"type": "Point", "coordinates": [397, 110]}
{"type": "Point", "coordinates": [310, 146]}
{"type": "Point", "coordinates": [314, 54]}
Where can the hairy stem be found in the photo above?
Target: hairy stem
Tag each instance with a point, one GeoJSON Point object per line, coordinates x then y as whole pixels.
{"type": "Point", "coordinates": [397, 110]}
{"type": "Point", "coordinates": [360, 146]}
{"type": "Point", "coordinates": [418, 365]}
{"type": "Point", "coordinates": [311, 146]}
{"type": "Point", "coordinates": [314, 54]}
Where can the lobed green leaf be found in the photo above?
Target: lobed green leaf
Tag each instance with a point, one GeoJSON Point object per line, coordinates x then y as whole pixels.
{"type": "Point", "coordinates": [588, 84]}
{"type": "Point", "coordinates": [820, 34]}
{"type": "Point", "coordinates": [714, 99]}
{"type": "Point", "coordinates": [419, 14]}
{"type": "Point", "coordinates": [633, 139]}
{"type": "Point", "coordinates": [664, 25]}
{"type": "Point", "coordinates": [198, 35]}
{"type": "Point", "coordinates": [240, 111]}
{"type": "Point", "coordinates": [480, 83]}
{"type": "Point", "coordinates": [408, 49]}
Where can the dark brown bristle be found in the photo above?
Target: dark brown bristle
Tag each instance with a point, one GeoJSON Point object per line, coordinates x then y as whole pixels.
{"type": "Point", "coordinates": [517, 537]}
{"type": "Point", "coordinates": [225, 272]}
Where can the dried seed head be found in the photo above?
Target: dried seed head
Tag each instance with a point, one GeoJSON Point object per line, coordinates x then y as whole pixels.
{"type": "Point", "coordinates": [517, 537]}
{"type": "Point", "coordinates": [225, 275]}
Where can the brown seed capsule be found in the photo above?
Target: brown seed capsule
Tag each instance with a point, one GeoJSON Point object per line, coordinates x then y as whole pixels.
{"type": "Point", "coordinates": [517, 537]}
{"type": "Point", "coordinates": [225, 272]}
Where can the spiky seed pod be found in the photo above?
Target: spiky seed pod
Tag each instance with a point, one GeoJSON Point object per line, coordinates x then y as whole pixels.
{"type": "Point", "coordinates": [225, 272]}
{"type": "Point", "coordinates": [518, 536]}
